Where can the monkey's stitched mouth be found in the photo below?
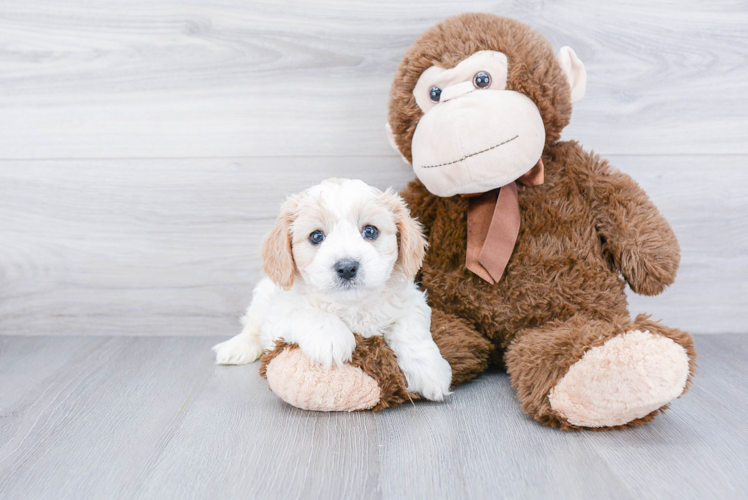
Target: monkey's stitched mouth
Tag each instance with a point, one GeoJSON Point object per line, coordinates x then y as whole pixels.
{"type": "Point", "coordinates": [472, 154]}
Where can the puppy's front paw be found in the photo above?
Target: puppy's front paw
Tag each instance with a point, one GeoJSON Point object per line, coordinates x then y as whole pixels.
{"type": "Point", "coordinates": [237, 351]}
{"type": "Point", "coordinates": [430, 378]}
{"type": "Point", "coordinates": [328, 344]}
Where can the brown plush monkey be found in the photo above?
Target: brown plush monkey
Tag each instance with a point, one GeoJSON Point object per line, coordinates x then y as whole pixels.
{"type": "Point", "coordinates": [532, 240]}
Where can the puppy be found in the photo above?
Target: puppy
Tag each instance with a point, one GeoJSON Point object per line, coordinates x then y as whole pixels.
{"type": "Point", "coordinates": [341, 259]}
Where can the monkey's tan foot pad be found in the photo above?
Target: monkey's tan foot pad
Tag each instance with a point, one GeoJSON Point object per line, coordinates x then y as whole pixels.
{"type": "Point", "coordinates": [309, 386]}
{"type": "Point", "coordinates": [626, 378]}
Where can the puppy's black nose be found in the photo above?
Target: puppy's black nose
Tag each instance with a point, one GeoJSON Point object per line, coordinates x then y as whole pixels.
{"type": "Point", "coordinates": [346, 268]}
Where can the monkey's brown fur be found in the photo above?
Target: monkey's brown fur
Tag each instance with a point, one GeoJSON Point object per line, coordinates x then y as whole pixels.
{"type": "Point", "coordinates": [583, 232]}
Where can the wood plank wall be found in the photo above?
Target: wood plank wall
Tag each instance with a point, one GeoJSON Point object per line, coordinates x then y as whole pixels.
{"type": "Point", "coordinates": [146, 145]}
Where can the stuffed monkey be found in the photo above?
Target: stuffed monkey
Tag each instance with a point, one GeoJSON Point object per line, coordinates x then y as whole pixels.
{"type": "Point", "coordinates": [531, 240]}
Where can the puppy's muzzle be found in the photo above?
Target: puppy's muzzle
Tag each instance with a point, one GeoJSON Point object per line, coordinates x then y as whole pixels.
{"type": "Point", "coordinates": [346, 269]}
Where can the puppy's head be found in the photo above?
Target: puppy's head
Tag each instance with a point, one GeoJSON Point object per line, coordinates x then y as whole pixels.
{"type": "Point", "coordinates": [343, 236]}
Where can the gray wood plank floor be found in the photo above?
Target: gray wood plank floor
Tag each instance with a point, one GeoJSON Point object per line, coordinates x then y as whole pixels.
{"type": "Point", "coordinates": [153, 417]}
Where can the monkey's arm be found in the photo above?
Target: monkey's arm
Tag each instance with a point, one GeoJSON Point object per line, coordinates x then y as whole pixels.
{"type": "Point", "coordinates": [639, 239]}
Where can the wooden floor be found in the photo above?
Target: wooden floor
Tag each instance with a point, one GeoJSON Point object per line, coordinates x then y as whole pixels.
{"type": "Point", "coordinates": [153, 417]}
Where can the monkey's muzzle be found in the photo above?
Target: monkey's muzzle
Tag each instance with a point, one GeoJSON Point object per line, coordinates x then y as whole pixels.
{"type": "Point", "coordinates": [477, 142]}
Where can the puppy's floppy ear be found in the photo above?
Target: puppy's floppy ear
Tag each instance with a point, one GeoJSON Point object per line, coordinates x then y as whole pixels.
{"type": "Point", "coordinates": [411, 241]}
{"type": "Point", "coordinates": [277, 257]}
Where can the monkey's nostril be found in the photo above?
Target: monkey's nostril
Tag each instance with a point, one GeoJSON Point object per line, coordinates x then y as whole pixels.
{"type": "Point", "coordinates": [346, 268]}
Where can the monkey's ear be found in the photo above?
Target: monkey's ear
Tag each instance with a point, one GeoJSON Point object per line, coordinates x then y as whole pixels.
{"type": "Point", "coordinates": [575, 72]}
{"type": "Point", "coordinates": [391, 138]}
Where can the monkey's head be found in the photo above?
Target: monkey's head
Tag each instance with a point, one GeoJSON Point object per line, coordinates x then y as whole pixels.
{"type": "Point", "coordinates": [477, 98]}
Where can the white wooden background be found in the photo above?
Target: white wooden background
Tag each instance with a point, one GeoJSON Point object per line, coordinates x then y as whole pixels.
{"type": "Point", "coordinates": [145, 145]}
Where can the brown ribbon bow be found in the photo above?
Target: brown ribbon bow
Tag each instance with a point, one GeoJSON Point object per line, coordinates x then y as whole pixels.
{"type": "Point", "coordinates": [493, 226]}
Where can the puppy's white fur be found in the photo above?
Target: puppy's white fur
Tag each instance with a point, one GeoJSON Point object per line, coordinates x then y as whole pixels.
{"type": "Point", "coordinates": [303, 300]}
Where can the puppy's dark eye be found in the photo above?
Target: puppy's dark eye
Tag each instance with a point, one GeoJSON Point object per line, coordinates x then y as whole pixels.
{"type": "Point", "coordinates": [370, 232]}
{"type": "Point", "coordinates": [316, 237]}
{"type": "Point", "coordinates": [482, 80]}
{"type": "Point", "coordinates": [435, 94]}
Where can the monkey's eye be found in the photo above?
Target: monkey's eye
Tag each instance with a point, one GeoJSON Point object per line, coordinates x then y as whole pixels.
{"type": "Point", "coordinates": [370, 232]}
{"type": "Point", "coordinates": [482, 80]}
{"type": "Point", "coordinates": [435, 94]}
{"type": "Point", "coordinates": [316, 237]}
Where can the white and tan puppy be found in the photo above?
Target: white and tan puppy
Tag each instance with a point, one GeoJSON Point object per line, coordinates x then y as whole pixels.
{"type": "Point", "coordinates": [341, 259]}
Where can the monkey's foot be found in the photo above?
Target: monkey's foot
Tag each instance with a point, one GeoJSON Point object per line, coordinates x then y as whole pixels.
{"type": "Point", "coordinates": [307, 385]}
{"type": "Point", "coordinates": [627, 378]}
